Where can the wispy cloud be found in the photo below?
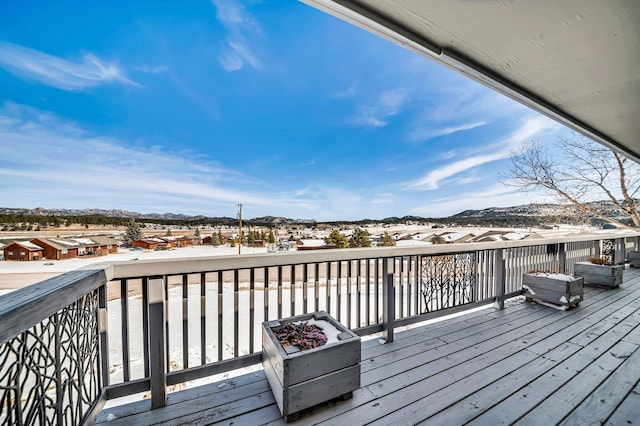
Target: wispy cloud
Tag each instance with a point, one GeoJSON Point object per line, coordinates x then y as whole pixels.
{"type": "Point", "coordinates": [61, 158]}
{"type": "Point", "coordinates": [158, 69]}
{"type": "Point", "coordinates": [241, 27]}
{"type": "Point", "coordinates": [424, 134]}
{"type": "Point", "coordinates": [493, 196]}
{"type": "Point", "coordinates": [500, 150]}
{"type": "Point", "coordinates": [346, 93]}
{"type": "Point", "coordinates": [377, 113]}
{"type": "Point", "coordinates": [30, 64]}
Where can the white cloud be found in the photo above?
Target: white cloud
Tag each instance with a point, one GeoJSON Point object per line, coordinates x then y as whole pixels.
{"type": "Point", "coordinates": [346, 93]}
{"type": "Point", "coordinates": [158, 69]}
{"type": "Point", "coordinates": [241, 27]}
{"type": "Point", "coordinates": [424, 134]}
{"type": "Point", "coordinates": [387, 105]}
{"type": "Point", "coordinates": [30, 64]}
{"type": "Point", "coordinates": [494, 196]}
{"type": "Point", "coordinates": [500, 150]}
{"type": "Point", "coordinates": [50, 160]}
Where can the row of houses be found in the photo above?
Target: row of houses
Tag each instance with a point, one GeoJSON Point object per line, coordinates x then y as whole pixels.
{"type": "Point", "coordinates": [167, 242]}
{"type": "Point", "coordinates": [59, 248]}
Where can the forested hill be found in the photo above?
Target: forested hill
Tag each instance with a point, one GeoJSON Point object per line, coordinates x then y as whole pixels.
{"type": "Point", "coordinates": [523, 215]}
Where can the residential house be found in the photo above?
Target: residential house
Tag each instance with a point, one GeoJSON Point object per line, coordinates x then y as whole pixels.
{"type": "Point", "coordinates": [23, 250]}
{"type": "Point", "coordinates": [151, 244]}
{"type": "Point", "coordinates": [58, 248]}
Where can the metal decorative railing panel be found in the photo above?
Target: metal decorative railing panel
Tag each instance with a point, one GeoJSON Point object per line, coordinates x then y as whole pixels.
{"type": "Point", "coordinates": [49, 373]}
{"type": "Point", "coordinates": [609, 249]}
{"type": "Point", "coordinates": [448, 280]}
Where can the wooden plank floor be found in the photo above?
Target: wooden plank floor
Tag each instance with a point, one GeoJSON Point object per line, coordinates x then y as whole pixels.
{"type": "Point", "coordinates": [528, 364]}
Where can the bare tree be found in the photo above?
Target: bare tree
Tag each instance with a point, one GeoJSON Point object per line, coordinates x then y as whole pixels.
{"type": "Point", "coordinates": [579, 171]}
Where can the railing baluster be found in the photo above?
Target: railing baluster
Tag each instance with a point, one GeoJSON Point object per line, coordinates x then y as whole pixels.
{"type": "Point", "coordinates": [236, 312]}
{"type": "Point", "coordinates": [377, 289]}
{"type": "Point", "coordinates": [339, 291]}
{"type": "Point", "coordinates": [166, 322]}
{"type": "Point", "coordinates": [388, 298]}
{"type": "Point", "coordinates": [124, 318]}
{"type": "Point", "coordinates": [266, 293]}
{"type": "Point", "coordinates": [368, 296]}
{"type": "Point", "coordinates": [280, 291]}
{"type": "Point", "coordinates": [145, 324]}
{"type": "Point", "coordinates": [305, 288]}
{"type": "Point", "coordinates": [292, 286]}
{"type": "Point", "coordinates": [185, 321]}
{"type": "Point", "coordinates": [500, 277]}
{"type": "Point", "coordinates": [220, 320]}
{"type": "Point", "coordinates": [349, 294]}
{"type": "Point", "coordinates": [359, 293]}
{"type": "Point", "coordinates": [252, 282]}
{"type": "Point", "coordinates": [328, 281]}
{"type": "Point", "coordinates": [400, 269]}
{"type": "Point", "coordinates": [203, 318]}
{"type": "Point", "coordinates": [316, 289]}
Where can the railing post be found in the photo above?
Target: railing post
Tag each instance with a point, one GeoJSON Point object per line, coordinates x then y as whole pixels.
{"type": "Point", "coordinates": [620, 253]}
{"type": "Point", "coordinates": [388, 299]}
{"type": "Point", "coordinates": [500, 274]}
{"type": "Point", "coordinates": [103, 330]}
{"type": "Point", "coordinates": [157, 343]}
{"type": "Point", "coordinates": [562, 258]}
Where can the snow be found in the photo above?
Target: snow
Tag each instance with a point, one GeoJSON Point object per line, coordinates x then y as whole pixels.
{"type": "Point", "coordinates": [30, 245]}
{"type": "Point", "coordinates": [65, 243]}
{"type": "Point", "coordinates": [328, 329]}
{"type": "Point", "coordinates": [61, 266]}
{"type": "Point", "coordinates": [555, 276]}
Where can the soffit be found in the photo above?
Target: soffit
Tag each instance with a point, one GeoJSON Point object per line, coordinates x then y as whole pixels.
{"type": "Point", "coordinates": [577, 61]}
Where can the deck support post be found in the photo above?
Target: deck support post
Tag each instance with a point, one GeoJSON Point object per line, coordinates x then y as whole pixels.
{"type": "Point", "coordinates": [157, 343]}
{"type": "Point", "coordinates": [500, 280]}
{"type": "Point", "coordinates": [388, 299]}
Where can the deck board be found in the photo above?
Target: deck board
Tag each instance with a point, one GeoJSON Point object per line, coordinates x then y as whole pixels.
{"type": "Point", "coordinates": [526, 364]}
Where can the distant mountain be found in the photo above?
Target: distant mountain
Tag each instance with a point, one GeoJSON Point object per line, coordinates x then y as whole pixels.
{"type": "Point", "coordinates": [527, 214]}
{"type": "Point", "coordinates": [41, 211]}
{"type": "Point", "coordinates": [542, 211]}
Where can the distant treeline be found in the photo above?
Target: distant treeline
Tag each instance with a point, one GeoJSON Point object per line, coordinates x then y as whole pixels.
{"type": "Point", "coordinates": [20, 222]}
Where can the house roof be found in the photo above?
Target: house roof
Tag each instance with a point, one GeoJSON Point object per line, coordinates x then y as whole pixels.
{"type": "Point", "coordinates": [26, 245]}
{"type": "Point", "coordinates": [51, 243]}
{"type": "Point", "coordinates": [103, 240]}
{"type": "Point", "coordinates": [575, 61]}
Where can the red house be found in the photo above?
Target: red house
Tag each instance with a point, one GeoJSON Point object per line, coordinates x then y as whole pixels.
{"type": "Point", "coordinates": [23, 250]}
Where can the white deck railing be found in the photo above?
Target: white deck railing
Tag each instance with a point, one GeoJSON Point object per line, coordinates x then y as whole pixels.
{"type": "Point", "coordinates": [72, 342]}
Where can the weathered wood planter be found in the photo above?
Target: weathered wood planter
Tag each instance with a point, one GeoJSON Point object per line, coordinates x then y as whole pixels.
{"type": "Point", "coordinates": [558, 289]}
{"type": "Point", "coordinates": [601, 275]}
{"type": "Point", "coordinates": [302, 379]}
{"type": "Point", "coordinates": [634, 258]}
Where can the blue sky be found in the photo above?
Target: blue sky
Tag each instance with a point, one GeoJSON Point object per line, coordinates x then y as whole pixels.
{"type": "Point", "coordinates": [194, 107]}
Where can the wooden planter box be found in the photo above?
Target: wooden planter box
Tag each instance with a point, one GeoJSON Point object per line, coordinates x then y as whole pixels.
{"type": "Point", "coordinates": [601, 275]}
{"type": "Point", "coordinates": [634, 258]}
{"type": "Point", "coordinates": [558, 289]}
{"type": "Point", "coordinates": [302, 379]}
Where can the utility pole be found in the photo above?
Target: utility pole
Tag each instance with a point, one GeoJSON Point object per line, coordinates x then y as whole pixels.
{"type": "Point", "coordinates": [239, 228]}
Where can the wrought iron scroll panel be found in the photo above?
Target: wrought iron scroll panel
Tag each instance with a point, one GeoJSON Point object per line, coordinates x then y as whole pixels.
{"type": "Point", "coordinates": [447, 280]}
{"type": "Point", "coordinates": [49, 374]}
{"type": "Point", "coordinates": [609, 250]}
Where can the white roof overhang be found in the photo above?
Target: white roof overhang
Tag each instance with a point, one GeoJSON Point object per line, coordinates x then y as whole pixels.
{"type": "Point", "coordinates": [576, 61]}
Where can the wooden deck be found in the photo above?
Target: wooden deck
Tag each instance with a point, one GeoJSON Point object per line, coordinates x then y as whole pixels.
{"type": "Point", "coordinates": [528, 364]}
